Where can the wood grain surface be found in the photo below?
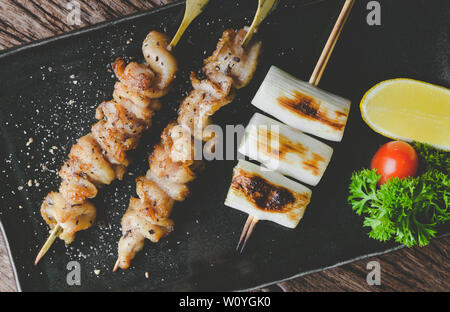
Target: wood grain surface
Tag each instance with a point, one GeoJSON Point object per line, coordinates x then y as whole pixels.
{"type": "Point", "coordinates": [415, 269]}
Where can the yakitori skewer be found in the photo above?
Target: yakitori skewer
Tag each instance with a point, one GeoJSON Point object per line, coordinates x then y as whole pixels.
{"type": "Point", "coordinates": [171, 164]}
{"type": "Point", "coordinates": [300, 107]}
{"type": "Point", "coordinates": [172, 168]}
{"type": "Point", "coordinates": [100, 157]}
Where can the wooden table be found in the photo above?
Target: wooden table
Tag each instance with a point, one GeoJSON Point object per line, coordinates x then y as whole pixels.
{"type": "Point", "coordinates": [416, 269]}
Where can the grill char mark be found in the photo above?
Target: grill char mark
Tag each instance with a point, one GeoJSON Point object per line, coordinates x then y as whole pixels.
{"type": "Point", "coordinates": [306, 106]}
{"type": "Point", "coordinates": [263, 194]}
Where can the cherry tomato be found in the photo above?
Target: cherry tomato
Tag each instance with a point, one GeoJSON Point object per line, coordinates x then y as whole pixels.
{"type": "Point", "coordinates": [395, 159]}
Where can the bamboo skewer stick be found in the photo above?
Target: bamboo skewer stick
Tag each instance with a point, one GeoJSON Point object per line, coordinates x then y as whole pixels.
{"type": "Point", "coordinates": [314, 80]}
{"type": "Point", "coordinates": [247, 231]}
{"type": "Point", "coordinates": [57, 230]}
{"type": "Point", "coordinates": [193, 9]}
{"type": "Point", "coordinates": [331, 43]}
{"type": "Point", "coordinates": [116, 266]}
{"type": "Point", "coordinates": [265, 7]}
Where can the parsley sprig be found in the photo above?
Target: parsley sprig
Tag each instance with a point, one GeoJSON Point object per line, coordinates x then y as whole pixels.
{"type": "Point", "coordinates": [408, 209]}
{"type": "Point", "coordinates": [432, 158]}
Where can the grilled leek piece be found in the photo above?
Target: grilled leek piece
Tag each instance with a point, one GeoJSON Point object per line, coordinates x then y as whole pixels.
{"type": "Point", "coordinates": [302, 106]}
{"type": "Point", "coordinates": [267, 195]}
{"type": "Point", "coordinates": [285, 149]}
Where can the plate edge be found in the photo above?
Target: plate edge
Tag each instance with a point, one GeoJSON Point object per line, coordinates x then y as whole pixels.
{"type": "Point", "coordinates": [11, 260]}
{"type": "Point", "coordinates": [338, 264]}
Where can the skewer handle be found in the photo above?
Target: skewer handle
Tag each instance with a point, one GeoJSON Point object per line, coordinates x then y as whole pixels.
{"type": "Point", "coordinates": [265, 7]}
{"type": "Point", "coordinates": [54, 234]}
{"type": "Point", "coordinates": [193, 9]}
{"type": "Point", "coordinates": [246, 232]}
{"type": "Point", "coordinates": [116, 266]}
{"type": "Point", "coordinates": [331, 43]}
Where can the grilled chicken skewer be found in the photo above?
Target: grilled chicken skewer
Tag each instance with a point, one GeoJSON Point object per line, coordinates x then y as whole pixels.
{"type": "Point", "coordinates": [100, 157]}
{"type": "Point", "coordinates": [172, 164]}
{"type": "Point", "coordinates": [124, 120]}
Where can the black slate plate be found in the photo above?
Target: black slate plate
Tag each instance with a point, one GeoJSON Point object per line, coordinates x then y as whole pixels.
{"type": "Point", "coordinates": [41, 99]}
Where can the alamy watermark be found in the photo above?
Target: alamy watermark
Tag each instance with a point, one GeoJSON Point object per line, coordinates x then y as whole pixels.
{"type": "Point", "coordinates": [374, 276]}
{"type": "Point", "coordinates": [74, 16]}
{"type": "Point", "coordinates": [374, 15]}
{"type": "Point", "coordinates": [73, 278]}
{"type": "Point", "coordinates": [213, 142]}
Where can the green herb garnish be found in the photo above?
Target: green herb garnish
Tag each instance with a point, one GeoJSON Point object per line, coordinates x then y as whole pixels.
{"type": "Point", "coordinates": [407, 209]}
